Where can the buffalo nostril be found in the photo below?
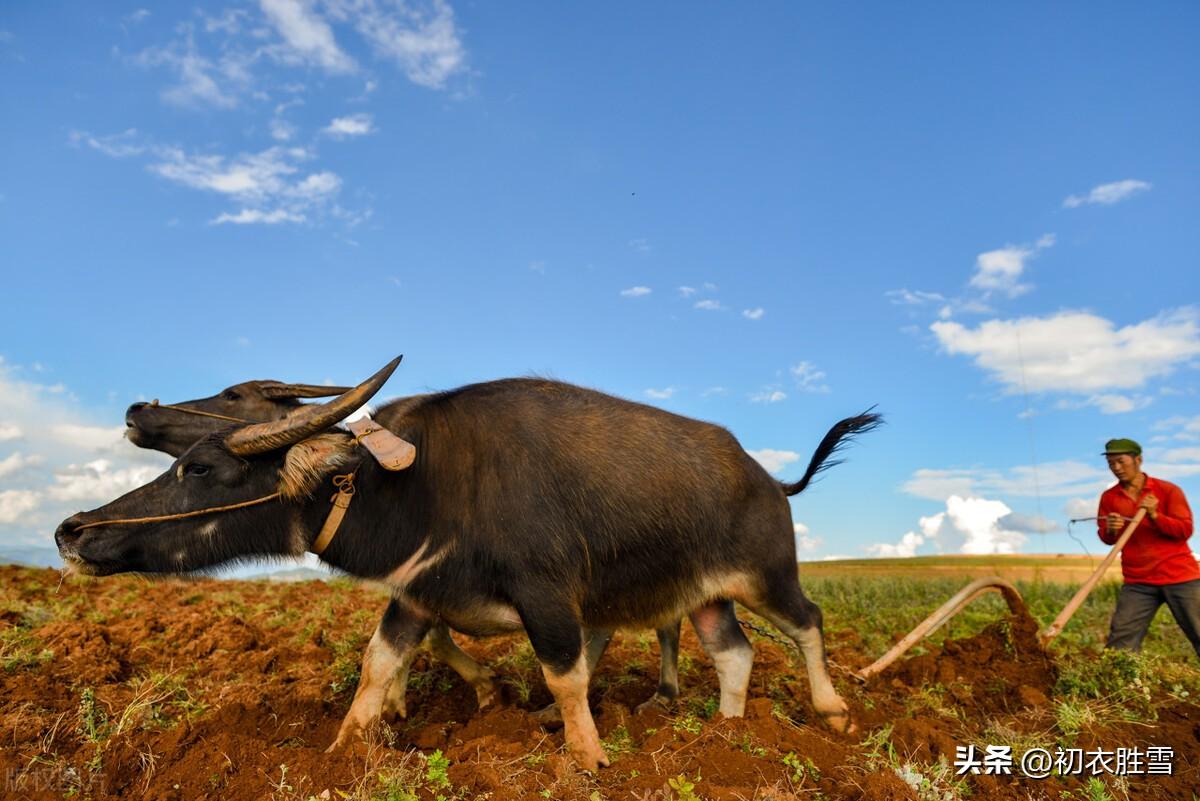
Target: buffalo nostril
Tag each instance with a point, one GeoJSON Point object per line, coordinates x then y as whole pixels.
{"type": "Point", "coordinates": [67, 533]}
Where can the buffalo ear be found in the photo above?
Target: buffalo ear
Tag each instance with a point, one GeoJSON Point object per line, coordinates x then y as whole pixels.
{"type": "Point", "coordinates": [307, 420]}
{"type": "Point", "coordinates": [278, 391]}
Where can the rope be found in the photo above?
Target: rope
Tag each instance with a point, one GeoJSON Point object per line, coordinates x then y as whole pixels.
{"type": "Point", "coordinates": [158, 405]}
{"type": "Point", "coordinates": [182, 515]}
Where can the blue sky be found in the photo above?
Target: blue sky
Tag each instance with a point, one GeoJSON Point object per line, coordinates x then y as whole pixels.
{"type": "Point", "coordinates": [770, 217]}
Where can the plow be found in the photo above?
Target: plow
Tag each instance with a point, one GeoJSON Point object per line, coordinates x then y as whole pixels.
{"type": "Point", "coordinates": [1012, 597]}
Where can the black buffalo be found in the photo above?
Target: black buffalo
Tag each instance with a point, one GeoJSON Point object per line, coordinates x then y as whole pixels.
{"type": "Point", "coordinates": [532, 504]}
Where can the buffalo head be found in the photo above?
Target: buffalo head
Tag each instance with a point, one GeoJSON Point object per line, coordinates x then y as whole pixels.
{"type": "Point", "coordinates": [150, 529]}
{"type": "Point", "coordinates": [172, 428]}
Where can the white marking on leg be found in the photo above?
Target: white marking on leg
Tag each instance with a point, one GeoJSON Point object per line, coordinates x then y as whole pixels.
{"type": "Point", "coordinates": [378, 667]}
{"type": "Point", "coordinates": [733, 671]}
{"type": "Point", "coordinates": [570, 692]}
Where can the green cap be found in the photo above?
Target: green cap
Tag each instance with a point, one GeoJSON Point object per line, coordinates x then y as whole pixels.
{"type": "Point", "coordinates": [1115, 446]}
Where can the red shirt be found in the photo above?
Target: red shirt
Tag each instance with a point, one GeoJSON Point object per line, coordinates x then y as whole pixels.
{"type": "Point", "coordinates": [1158, 552]}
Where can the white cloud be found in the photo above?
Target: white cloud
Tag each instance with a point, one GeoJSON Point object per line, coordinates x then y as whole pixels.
{"type": "Point", "coordinates": [267, 183]}
{"type": "Point", "coordinates": [200, 80]}
{"type": "Point", "coordinates": [660, 394]}
{"type": "Point", "coordinates": [1027, 524]}
{"type": "Point", "coordinates": [714, 391]}
{"type": "Point", "coordinates": [687, 291]}
{"type": "Point", "coordinates": [1074, 351]}
{"type": "Point", "coordinates": [16, 462]}
{"type": "Point", "coordinates": [1049, 479]}
{"type": "Point", "coordinates": [421, 38]}
{"type": "Point", "coordinates": [1001, 270]}
{"type": "Point", "coordinates": [708, 305]}
{"type": "Point", "coordinates": [14, 504]}
{"type": "Point", "coordinates": [1109, 403]}
{"type": "Point", "coordinates": [1181, 455]}
{"type": "Point", "coordinates": [307, 37]}
{"type": "Point", "coordinates": [916, 297]}
{"type": "Point", "coordinates": [353, 125]}
{"type": "Point", "coordinates": [258, 217]}
{"type": "Point", "coordinates": [1107, 194]}
{"type": "Point", "coordinates": [636, 292]}
{"type": "Point", "coordinates": [117, 146]}
{"type": "Point", "coordinates": [1180, 427]}
{"type": "Point", "coordinates": [970, 525]}
{"type": "Point", "coordinates": [808, 377]}
{"type": "Point", "coordinates": [98, 481]}
{"type": "Point", "coordinates": [768, 395]}
{"type": "Point", "coordinates": [65, 457]}
{"type": "Point", "coordinates": [804, 542]}
{"type": "Point", "coordinates": [9, 431]}
{"type": "Point", "coordinates": [774, 460]}
{"type": "Point", "coordinates": [1077, 508]}
{"type": "Point", "coordinates": [906, 547]}
{"type": "Point", "coordinates": [754, 314]}
{"type": "Point", "coordinates": [282, 130]}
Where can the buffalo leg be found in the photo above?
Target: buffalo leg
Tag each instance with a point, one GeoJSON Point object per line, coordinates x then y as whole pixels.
{"type": "Point", "coordinates": [732, 654]}
{"type": "Point", "coordinates": [392, 647]}
{"type": "Point", "coordinates": [596, 643]}
{"type": "Point", "coordinates": [784, 604]}
{"type": "Point", "coordinates": [558, 642]}
{"type": "Point", "coordinates": [668, 669]}
{"type": "Point", "coordinates": [443, 647]}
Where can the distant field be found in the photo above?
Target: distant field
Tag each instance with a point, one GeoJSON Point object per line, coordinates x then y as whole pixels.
{"type": "Point", "coordinates": [1062, 568]}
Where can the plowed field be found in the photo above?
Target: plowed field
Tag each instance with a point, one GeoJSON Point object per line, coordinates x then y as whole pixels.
{"type": "Point", "coordinates": [207, 689]}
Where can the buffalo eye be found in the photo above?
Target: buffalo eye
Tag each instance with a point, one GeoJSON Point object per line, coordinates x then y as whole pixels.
{"type": "Point", "coordinates": [229, 394]}
{"type": "Point", "coordinates": [195, 469]}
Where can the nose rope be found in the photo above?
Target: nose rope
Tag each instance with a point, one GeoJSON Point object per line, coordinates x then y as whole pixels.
{"type": "Point", "coordinates": [181, 515]}
{"type": "Point", "coordinates": [155, 404]}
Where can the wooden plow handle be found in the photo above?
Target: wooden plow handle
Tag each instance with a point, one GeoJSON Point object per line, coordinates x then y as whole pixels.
{"type": "Point", "coordinates": [1056, 627]}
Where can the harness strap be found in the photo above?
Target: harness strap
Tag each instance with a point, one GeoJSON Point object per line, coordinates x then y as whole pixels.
{"type": "Point", "coordinates": [341, 502]}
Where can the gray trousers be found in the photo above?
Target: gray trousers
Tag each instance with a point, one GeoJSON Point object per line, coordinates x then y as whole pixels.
{"type": "Point", "coordinates": [1137, 605]}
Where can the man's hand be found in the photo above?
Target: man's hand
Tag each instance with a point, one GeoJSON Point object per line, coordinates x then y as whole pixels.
{"type": "Point", "coordinates": [1150, 504]}
{"type": "Point", "coordinates": [1114, 522]}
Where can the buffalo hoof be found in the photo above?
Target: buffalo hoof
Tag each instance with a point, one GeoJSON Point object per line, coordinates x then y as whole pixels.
{"type": "Point", "coordinates": [656, 703]}
{"type": "Point", "coordinates": [485, 692]}
{"type": "Point", "coordinates": [840, 721]}
{"type": "Point", "coordinates": [589, 758]}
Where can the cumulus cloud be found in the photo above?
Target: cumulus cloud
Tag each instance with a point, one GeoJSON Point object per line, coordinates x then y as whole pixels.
{"type": "Point", "coordinates": [15, 504]}
{"type": "Point", "coordinates": [1001, 270]}
{"type": "Point", "coordinates": [1107, 194]}
{"type": "Point", "coordinates": [1075, 351]}
{"type": "Point", "coordinates": [907, 546]}
{"type": "Point", "coordinates": [774, 460]}
{"type": "Point", "coordinates": [636, 292]}
{"type": "Point", "coordinates": [258, 217]}
{"type": "Point", "coordinates": [660, 394]}
{"type": "Point", "coordinates": [808, 378]}
{"type": "Point", "coordinates": [9, 431]}
{"type": "Point", "coordinates": [1109, 403]}
{"type": "Point", "coordinates": [1180, 427]}
{"type": "Point", "coordinates": [969, 525]}
{"type": "Point", "coordinates": [68, 460]}
{"type": "Point", "coordinates": [754, 314]}
{"type": "Point", "coordinates": [346, 127]}
{"type": "Point", "coordinates": [687, 291]}
{"type": "Point", "coordinates": [708, 305]}
{"type": "Point", "coordinates": [16, 462]}
{"type": "Point", "coordinates": [804, 542]}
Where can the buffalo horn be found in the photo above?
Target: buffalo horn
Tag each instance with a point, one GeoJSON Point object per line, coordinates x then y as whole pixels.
{"type": "Point", "coordinates": [276, 390]}
{"type": "Point", "coordinates": [308, 420]}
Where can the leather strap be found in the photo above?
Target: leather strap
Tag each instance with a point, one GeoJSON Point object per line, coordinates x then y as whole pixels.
{"type": "Point", "coordinates": [341, 502]}
{"type": "Point", "coordinates": [392, 452]}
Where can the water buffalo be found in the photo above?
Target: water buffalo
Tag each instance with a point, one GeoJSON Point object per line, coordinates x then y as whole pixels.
{"type": "Point", "coordinates": [173, 428]}
{"type": "Point", "coordinates": [532, 504]}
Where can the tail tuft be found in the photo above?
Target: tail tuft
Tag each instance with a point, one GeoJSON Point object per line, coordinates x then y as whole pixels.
{"type": "Point", "coordinates": [842, 433]}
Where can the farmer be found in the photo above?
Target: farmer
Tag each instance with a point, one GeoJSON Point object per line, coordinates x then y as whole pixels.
{"type": "Point", "coordinates": [1157, 563]}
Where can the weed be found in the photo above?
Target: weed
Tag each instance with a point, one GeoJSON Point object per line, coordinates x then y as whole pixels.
{"type": "Point", "coordinates": [688, 723]}
{"type": "Point", "coordinates": [19, 650]}
{"type": "Point", "coordinates": [801, 768]}
{"type": "Point", "coordinates": [705, 708]}
{"type": "Point", "coordinates": [618, 742]}
{"type": "Point", "coordinates": [933, 782]}
{"type": "Point", "coordinates": [747, 745]}
{"type": "Point", "coordinates": [684, 790]}
{"type": "Point", "coordinates": [436, 767]}
{"type": "Point", "coordinates": [93, 721]}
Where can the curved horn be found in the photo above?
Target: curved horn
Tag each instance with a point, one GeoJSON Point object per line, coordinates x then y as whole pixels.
{"type": "Point", "coordinates": [309, 420]}
{"type": "Point", "coordinates": [277, 390]}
